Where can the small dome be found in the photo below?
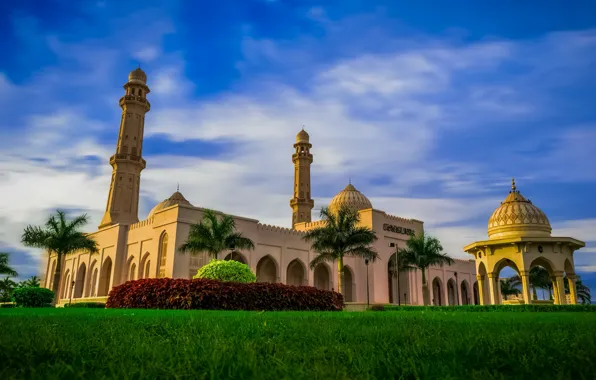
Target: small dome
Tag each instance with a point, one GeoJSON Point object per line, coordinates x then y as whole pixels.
{"type": "Point", "coordinates": [176, 199]}
{"type": "Point", "coordinates": [137, 75]}
{"type": "Point", "coordinates": [350, 197]}
{"type": "Point", "coordinates": [517, 216]}
{"type": "Point", "coordinates": [302, 137]}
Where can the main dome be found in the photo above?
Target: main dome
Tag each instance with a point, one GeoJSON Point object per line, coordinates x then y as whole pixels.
{"type": "Point", "coordinates": [517, 216]}
{"type": "Point", "coordinates": [175, 199]}
{"type": "Point", "coordinates": [350, 197]}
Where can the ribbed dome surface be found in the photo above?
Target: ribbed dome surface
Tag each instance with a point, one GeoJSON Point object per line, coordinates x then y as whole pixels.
{"type": "Point", "coordinates": [137, 75]}
{"type": "Point", "coordinates": [517, 216]}
{"type": "Point", "coordinates": [176, 199]}
{"type": "Point", "coordinates": [302, 137]}
{"type": "Point", "coordinates": [350, 197]}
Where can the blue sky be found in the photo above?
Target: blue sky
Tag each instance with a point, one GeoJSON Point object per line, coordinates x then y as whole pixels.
{"type": "Point", "coordinates": [429, 107]}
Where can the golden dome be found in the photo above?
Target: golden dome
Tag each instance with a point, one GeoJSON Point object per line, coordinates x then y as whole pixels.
{"type": "Point", "coordinates": [302, 137]}
{"type": "Point", "coordinates": [137, 75]}
{"type": "Point", "coordinates": [517, 216]}
{"type": "Point", "coordinates": [176, 199]}
{"type": "Point", "coordinates": [350, 197]}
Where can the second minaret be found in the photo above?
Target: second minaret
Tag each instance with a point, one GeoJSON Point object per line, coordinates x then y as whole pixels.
{"type": "Point", "coordinates": [302, 204]}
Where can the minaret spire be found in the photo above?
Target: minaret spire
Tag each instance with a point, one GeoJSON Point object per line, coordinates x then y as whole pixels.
{"type": "Point", "coordinates": [127, 163]}
{"type": "Point", "coordinates": [302, 204]}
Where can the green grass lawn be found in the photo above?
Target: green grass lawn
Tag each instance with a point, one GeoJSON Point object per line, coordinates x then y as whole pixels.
{"type": "Point", "coordinates": [148, 344]}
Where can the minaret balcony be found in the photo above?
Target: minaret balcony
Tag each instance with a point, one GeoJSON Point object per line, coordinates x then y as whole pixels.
{"type": "Point", "coordinates": [133, 98]}
{"type": "Point", "coordinates": [302, 201]}
{"type": "Point", "coordinates": [302, 155]}
{"type": "Point", "coordinates": [119, 157]}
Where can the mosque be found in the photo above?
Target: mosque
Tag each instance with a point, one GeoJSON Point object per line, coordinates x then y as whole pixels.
{"type": "Point", "coordinates": [132, 249]}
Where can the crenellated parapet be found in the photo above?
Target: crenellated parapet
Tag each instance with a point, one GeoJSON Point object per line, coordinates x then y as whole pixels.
{"type": "Point", "coordinates": [315, 224]}
{"type": "Point", "coordinates": [403, 220]}
{"type": "Point", "coordinates": [142, 223]}
{"type": "Point", "coordinates": [280, 230]}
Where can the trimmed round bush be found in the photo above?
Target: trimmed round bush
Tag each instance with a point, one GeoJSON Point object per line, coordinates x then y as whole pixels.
{"type": "Point", "coordinates": [202, 293]}
{"type": "Point", "coordinates": [31, 296]}
{"type": "Point", "coordinates": [226, 270]}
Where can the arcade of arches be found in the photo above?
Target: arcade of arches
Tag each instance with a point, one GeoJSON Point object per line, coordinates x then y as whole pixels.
{"type": "Point", "coordinates": [520, 238]}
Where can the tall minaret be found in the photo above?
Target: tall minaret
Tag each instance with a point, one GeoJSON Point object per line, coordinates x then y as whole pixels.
{"type": "Point", "coordinates": [127, 163]}
{"type": "Point", "coordinates": [302, 204]}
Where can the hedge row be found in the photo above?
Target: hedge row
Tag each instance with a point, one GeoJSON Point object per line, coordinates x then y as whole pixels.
{"type": "Point", "coordinates": [167, 293]}
{"type": "Point", "coordinates": [489, 308]}
{"type": "Point", "coordinates": [90, 305]}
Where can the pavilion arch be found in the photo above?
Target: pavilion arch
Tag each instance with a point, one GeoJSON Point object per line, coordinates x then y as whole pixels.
{"type": "Point", "coordinates": [92, 280]}
{"type": "Point", "coordinates": [267, 269]}
{"type": "Point", "coordinates": [476, 293]}
{"type": "Point", "coordinates": [497, 268]}
{"type": "Point", "coordinates": [482, 284]}
{"type": "Point", "coordinates": [465, 293]}
{"type": "Point", "coordinates": [80, 281]}
{"type": "Point", "coordinates": [322, 277]}
{"type": "Point", "coordinates": [296, 273]}
{"type": "Point", "coordinates": [66, 284]}
{"type": "Point", "coordinates": [569, 268]}
{"type": "Point", "coordinates": [557, 288]}
{"type": "Point", "coordinates": [237, 256]}
{"type": "Point", "coordinates": [545, 263]}
{"type": "Point", "coordinates": [437, 292]}
{"type": "Point", "coordinates": [105, 277]}
{"type": "Point", "coordinates": [451, 292]}
{"type": "Point", "coordinates": [348, 284]}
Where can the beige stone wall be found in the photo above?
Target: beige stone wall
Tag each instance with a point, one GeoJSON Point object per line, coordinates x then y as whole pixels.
{"type": "Point", "coordinates": [280, 255]}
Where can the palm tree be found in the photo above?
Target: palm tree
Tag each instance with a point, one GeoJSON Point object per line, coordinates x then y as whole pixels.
{"type": "Point", "coordinates": [509, 286]}
{"type": "Point", "coordinates": [6, 287]}
{"type": "Point", "coordinates": [33, 282]}
{"type": "Point", "coordinates": [62, 237]}
{"type": "Point", "coordinates": [338, 237]}
{"type": "Point", "coordinates": [582, 291]}
{"type": "Point", "coordinates": [540, 279]}
{"type": "Point", "coordinates": [215, 235]}
{"type": "Point", "coordinates": [423, 251]}
{"type": "Point", "coordinates": [4, 267]}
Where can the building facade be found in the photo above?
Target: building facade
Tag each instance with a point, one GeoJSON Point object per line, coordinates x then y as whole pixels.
{"type": "Point", "coordinates": [131, 249]}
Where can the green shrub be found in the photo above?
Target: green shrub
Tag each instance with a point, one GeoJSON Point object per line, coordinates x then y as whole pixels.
{"type": "Point", "coordinates": [90, 305]}
{"type": "Point", "coordinates": [379, 307]}
{"type": "Point", "coordinates": [29, 296]}
{"type": "Point", "coordinates": [227, 271]}
{"type": "Point", "coordinates": [496, 308]}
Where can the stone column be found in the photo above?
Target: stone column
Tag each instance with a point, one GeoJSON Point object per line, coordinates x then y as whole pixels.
{"type": "Point", "coordinates": [572, 291]}
{"type": "Point", "coordinates": [493, 288]}
{"type": "Point", "coordinates": [480, 280]}
{"type": "Point", "coordinates": [526, 290]}
{"type": "Point", "coordinates": [560, 288]}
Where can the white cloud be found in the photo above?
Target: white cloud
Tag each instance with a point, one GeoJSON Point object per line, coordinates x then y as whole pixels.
{"type": "Point", "coordinates": [147, 54]}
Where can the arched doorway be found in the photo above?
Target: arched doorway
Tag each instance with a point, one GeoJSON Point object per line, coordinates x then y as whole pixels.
{"type": "Point", "coordinates": [163, 255]}
{"type": "Point", "coordinates": [50, 279]}
{"type": "Point", "coordinates": [451, 296]}
{"type": "Point", "coordinates": [398, 281]}
{"type": "Point", "coordinates": [105, 277]}
{"type": "Point", "coordinates": [465, 293]}
{"type": "Point", "coordinates": [80, 281]}
{"type": "Point", "coordinates": [348, 285]}
{"type": "Point", "coordinates": [295, 274]}
{"type": "Point", "coordinates": [267, 270]}
{"type": "Point", "coordinates": [236, 256]}
{"type": "Point", "coordinates": [482, 285]}
{"type": "Point", "coordinates": [132, 272]}
{"type": "Point", "coordinates": [541, 277]}
{"type": "Point", "coordinates": [144, 266]}
{"type": "Point", "coordinates": [437, 292]}
{"type": "Point", "coordinates": [322, 277]}
{"type": "Point", "coordinates": [91, 280]}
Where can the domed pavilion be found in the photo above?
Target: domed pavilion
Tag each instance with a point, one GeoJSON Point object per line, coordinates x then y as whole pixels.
{"type": "Point", "coordinates": [519, 236]}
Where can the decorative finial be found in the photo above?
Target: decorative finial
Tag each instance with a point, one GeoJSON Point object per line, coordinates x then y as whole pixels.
{"type": "Point", "coordinates": [303, 127]}
{"type": "Point", "coordinates": [350, 180]}
{"type": "Point", "coordinates": [178, 187]}
{"type": "Point", "coordinates": [513, 188]}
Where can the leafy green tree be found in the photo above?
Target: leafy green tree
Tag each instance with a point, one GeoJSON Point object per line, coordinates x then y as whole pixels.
{"type": "Point", "coordinates": [4, 267]}
{"type": "Point", "coordinates": [6, 288]}
{"type": "Point", "coordinates": [214, 235]}
{"type": "Point", "coordinates": [423, 251]}
{"type": "Point", "coordinates": [62, 237]}
{"type": "Point", "coordinates": [510, 286]}
{"type": "Point", "coordinates": [338, 237]}
{"type": "Point", "coordinates": [226, 270]}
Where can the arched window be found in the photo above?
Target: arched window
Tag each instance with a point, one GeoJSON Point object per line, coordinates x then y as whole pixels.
{"type": "Point", "coordinates": [163, 254]}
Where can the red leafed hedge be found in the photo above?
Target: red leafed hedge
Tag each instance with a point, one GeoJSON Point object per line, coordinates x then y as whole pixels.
{"type": "Point", "coordinates": [167, 293]}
